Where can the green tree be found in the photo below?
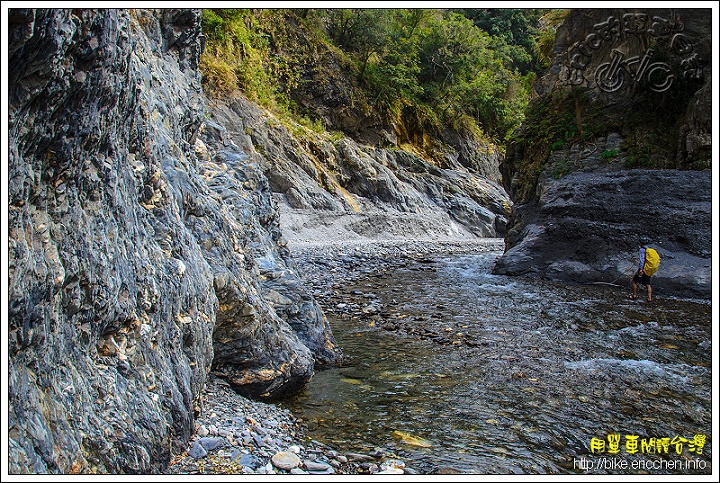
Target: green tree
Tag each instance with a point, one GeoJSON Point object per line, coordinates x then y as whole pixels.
{"type": "Point", "coordinates": [393, 74]}
{"type": "Point", "coordinates": [436, 68]}
{"type": "Point", "coordinates": [516, 28]}
{"type": "Point", "coordinates": [464, 74]}
{"type": "Point", "coordinates": [361, 31]}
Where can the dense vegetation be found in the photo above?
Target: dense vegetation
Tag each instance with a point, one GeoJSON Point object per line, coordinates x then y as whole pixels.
{"type": "Point", "coordinates": [468, 69]}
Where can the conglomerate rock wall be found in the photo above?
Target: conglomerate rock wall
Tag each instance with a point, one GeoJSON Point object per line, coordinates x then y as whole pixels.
{"type": "Point", "coordinates": [144, 247]}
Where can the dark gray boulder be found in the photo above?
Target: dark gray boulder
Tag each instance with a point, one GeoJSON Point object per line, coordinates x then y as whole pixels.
{"type": "Point", "coordinates": [585, 228]}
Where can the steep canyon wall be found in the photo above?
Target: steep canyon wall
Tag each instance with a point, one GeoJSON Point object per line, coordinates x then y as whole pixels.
{"type": "Point", "coordinates": [616, 144]}
{"type": "Point", "coordinates": [342, 189]}
{"type": "Point", "coordinates": [144, 247]}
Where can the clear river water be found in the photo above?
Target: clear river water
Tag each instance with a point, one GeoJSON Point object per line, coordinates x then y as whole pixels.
{"type": "Point", "coordinates": [521, 376]}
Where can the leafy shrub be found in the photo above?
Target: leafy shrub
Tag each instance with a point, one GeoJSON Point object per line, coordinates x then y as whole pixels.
{"type": "Point", "coordinates": [218, 76]}
{"type": "Point", "coordinates": [609, 155]}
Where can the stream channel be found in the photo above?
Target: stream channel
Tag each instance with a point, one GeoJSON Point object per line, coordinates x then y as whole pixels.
{"type": "Point", "coordinates": [455, 370]}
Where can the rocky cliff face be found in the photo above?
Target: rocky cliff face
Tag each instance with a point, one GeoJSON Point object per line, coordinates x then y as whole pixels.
{"type": "Point", "coordinates": [346, 190]}
{"type": "Point", "coordinates": [627, 89]}
{"type": "Point", "coordinates": [144, 247]}
{"type": "Point", "coordinates": [585, 227]}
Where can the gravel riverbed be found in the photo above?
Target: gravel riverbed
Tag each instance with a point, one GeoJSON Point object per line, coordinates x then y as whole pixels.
{"type": "Point", "coordinates": [235, 435]}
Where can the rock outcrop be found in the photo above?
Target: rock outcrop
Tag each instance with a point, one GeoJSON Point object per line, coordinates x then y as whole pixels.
{"type": "Point", "coordinates": [585, 228]}
{"type": "Point", "coordinates": [620, 118]}
{"type": "Point", "coordinates": [144, 247]}
{"type": "Point", "coordinates": [349, 190]}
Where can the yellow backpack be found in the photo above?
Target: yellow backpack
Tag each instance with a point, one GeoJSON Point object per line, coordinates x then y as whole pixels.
{"type": "Point", "coordinates": [652, 261]}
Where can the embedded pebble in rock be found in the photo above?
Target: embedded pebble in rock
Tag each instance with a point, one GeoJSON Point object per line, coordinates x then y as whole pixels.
{"type": "Point", "coordinates": [285, 460]}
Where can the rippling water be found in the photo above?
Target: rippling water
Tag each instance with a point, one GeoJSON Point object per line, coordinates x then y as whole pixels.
{"type": "Point", "coordinates": [550, 371]}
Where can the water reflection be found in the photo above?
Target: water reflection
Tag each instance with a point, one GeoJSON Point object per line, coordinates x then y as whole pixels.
{"type": "Point", "coordinates": [529, 372]}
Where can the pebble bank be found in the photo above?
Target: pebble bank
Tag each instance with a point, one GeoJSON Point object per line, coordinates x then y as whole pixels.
{"type": "Point", "coordinates": [235, 435]}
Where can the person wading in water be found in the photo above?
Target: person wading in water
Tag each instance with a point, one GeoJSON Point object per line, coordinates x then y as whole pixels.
{"type": "Point", "coordinates": [649, 262]}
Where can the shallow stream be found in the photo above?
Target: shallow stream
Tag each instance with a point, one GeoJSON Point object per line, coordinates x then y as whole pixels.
{"type": "Point", "coordinates": [455, 370]}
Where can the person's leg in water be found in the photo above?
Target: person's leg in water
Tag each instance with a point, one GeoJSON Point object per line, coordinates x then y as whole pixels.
{"type": "Point", "coordinates": [634, 286]}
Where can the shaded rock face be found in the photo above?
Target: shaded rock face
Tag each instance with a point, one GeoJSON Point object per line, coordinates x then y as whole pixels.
{"type": "Point", "coordinates": [643, 74]}
{"type": "Point", "coordinates": [649, 49]}
{"type": "Point", "coordinates": [638, 61]}
{"type": "Point", "coordinates": [585, 229]}
{"type": "Point", "coordinates": [640, 78]}
{"type": "Point", "coordinates": [268, 331]}
{"type": "Point", "coordinates": [144, 249]}
{"type": "Point", "coordinates": [358, 191]}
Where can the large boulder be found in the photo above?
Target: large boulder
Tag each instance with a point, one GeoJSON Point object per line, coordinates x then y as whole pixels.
{"type": "Point", "coordinates": [585, 229]}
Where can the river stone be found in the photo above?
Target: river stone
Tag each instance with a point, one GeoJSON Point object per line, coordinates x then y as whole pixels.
{"type": "Point", "coordinates": [392, 464]}
{"type": "Point", "coordinates": [211, 444]}
{"type": "Point", "coordinates": [249, 461]}
{"type": "Point", "coordinates": [258, 440]}
{"type": "Point", "coordinates": [285, 460]}
{"type": "Point", "coordinates": [329, 471]}
{"type": "Point", "coordinates": [202, 431]}
{"type": "Point", "coordinates": [358, 457]}
{"type": "Point", "coordinates": [391, 471]}
{"type": "Point", "coordinates": [197, 451]}
{"type": "Point", "coordinates": [316, 465]}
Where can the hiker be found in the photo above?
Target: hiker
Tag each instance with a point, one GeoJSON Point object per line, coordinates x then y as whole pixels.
{"type": "Point", "coordinates": [649, 262]}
